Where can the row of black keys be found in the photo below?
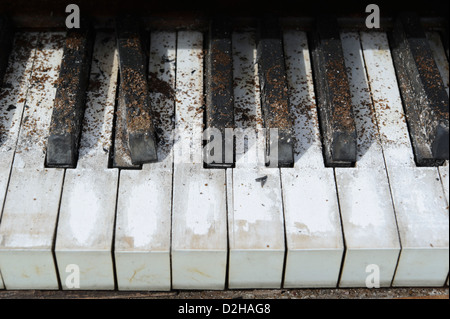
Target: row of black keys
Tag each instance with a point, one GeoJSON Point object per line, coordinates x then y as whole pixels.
{"type": "Point", "coordinates": [423, 92]}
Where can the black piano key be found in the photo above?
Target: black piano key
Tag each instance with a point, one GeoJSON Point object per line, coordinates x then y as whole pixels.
{"type": "Point", "coordinates": [424, 97]}
{"type": "Point", "coordinates": [140, 132]}
{"type": "Point", "coordinates": [219, 92]}
{"type": "Point", "coordinates": [69, 104]}
{"type": "Point", "coordinates": [121, 154]}
{"type": "Point", "coordinates": [445, 36]}
{"type": "Point", "coordinates": [274, 94]}
{"type": "Point", "coordinates": [6, 41]}
{"type": "Point", "coordinates": [333, 94]}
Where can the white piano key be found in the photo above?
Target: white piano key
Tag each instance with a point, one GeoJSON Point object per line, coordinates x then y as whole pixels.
{"type": "Point", "coordinates": [309, 153]}
{"type": "Point", "coordinates": [250, 145]}
{"type": "Point", "coordinates": [199, 229]}
{"type": "Point", "coordinates": [442, 64]}
{"type": "Point", "coordinates": [87, 210]}
{"type": "Point", "coordinates": [142, 242]}
{"type": "Point", "coordinates": [199, 247]}
{"type": "Point", "coordinates": [85, 228]}
{"type": "Point", "coordinates": [31, 205]}
{"type": "Point", "coordinates": [368, 217]}
{"type": "Point", "coordinates": [256, 231]}
{"type": "Point", "coordinates": [255, 221]}
{"type": "Point", "coordinates": [96, 131]}
{"type": "Point", "coordinates": [419, 200]}
{"type": "Point", "coordinates": [313, 227]}
{"type": "Point", "coordinates": [370, 153]}
{"type": "Point", "coordinates": [369, 225]}
{"type": "Point", "coordinates": [387, 101]}
{"type": "Point", "coordinates": [423, 226]}
{"type": "Point", "coordinates": [12, 100]}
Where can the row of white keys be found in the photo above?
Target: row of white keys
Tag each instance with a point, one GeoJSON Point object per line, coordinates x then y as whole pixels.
{"type": "Point", "coordinates": [142, 242]}
{"type": "Point", "coordinates": [31, 206]}
{"type": "Point", "coordinates": [87, 212]}
{"type": "Point", "coordinates": [368, 216]}
{"type": "Point", "coordinates": [418, 197]}
{"type": "Point", "coordinates": [255, 212]}
{"type": "Point", "coordinates": [199, 228]}
{"type": "Point", "coordinates": [12, 100]}
{"type": "Point", "coordinates": [313, 226]}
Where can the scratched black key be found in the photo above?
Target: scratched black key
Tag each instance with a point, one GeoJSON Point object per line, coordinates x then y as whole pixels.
{"type": "Point", "coordinates": [333, 94]}
{"type": "Point", "coordinates": [6, 40]}
{"type": "Point", "coordinates": [69, 104]}
{"type": "Point", "coordinates": [140, 132]}
{"type": "Point", "coordinates": [274, 95]}
{"type": "Point", "coordinates": [424, 97]}
{"type": "Point", "coordinates": [219, 95]}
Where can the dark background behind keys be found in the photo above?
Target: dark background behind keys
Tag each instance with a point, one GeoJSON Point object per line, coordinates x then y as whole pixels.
{"type": "Point", "coordinates": [41, 13]}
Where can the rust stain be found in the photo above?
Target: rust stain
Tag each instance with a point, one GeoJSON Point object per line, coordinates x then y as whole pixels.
{"type": "Point", "coordinates": [135, 273]}
{"type": "Point", "coordinates": [195, 270]}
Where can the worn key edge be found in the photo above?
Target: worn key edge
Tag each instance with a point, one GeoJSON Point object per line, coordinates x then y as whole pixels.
{"type": "Point", "coordinates": [70, 98]}
{"type": "Point", "coordinates": [6, 44]}
{"type": "Point", "coordinates": [338, 128]}
{"type": "Point", "coordinates": [275, 104]}
{"type": "Point", "coordinates": [219, 111]}
{"type": "Point", "coordinates": [141, 133]}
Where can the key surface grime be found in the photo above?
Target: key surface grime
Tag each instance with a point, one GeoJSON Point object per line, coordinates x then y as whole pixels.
{"type": "Point", "coordinates": [68, 109]}
{"type": "Point", "coordinates": [423, 91]}
{"type": "Point", "coordinates": [336, 167]}
{"type": "Point", "coordinates": [219, 92]}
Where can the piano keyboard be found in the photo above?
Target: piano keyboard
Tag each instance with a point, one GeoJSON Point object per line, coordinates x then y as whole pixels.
{"type": "Point", "coordinates": [176, 223]}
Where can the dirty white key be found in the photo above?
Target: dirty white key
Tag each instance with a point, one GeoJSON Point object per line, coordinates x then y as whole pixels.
{"type": "Point", "coordinates": [12, 99]}
{"type": "Point", "coordinates": [368, 217]}
{"type": "Point", "coordinates": [199, 229]}
{"type": "Point", "coordinates": [142, 242]}
{"type": "Point", "coordinates": [32, 200]}
{"type": "Point", "coordinates": [313, 227]}
{"type": "Point", "coordinates": [255, 212]}
{"type": "Point", "coordinates": [87, 211]}
{"type": "Point", "coordinates": [442, 64]}
{"type": "Point", "coordinates": [419, 201]}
